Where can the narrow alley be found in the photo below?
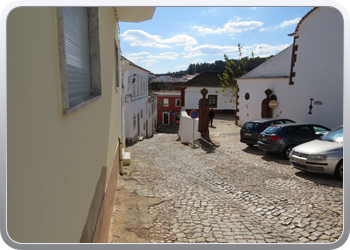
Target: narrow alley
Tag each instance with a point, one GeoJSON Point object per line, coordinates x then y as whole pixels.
{"type": "Point", "coordinates": [174, 193]}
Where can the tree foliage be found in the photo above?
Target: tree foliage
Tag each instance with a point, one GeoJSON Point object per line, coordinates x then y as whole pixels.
{"type": "Point", "coordinates": [235, 68]}
{"type": "Point", "coordinates": [218, 66]}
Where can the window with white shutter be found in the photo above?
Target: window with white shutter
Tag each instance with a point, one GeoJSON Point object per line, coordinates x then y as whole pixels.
{"type": "Point", "coordinates": [79, 52]}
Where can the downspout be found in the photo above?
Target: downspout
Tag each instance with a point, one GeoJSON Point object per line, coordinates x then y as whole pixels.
{"type": "Point", "coordinates": [183, 96]}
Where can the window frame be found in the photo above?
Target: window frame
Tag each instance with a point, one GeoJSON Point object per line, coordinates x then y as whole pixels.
{"type": "Point", "coordinates": [134, 121]}
{"type": "Point", "coordinates": [167, 105]}
{"type": "Point", "coordinates": [95, 61]}
{"type": "Point", "coordinates": [179, 102]}
{"type": "Point", "coordinates": [216, 101]}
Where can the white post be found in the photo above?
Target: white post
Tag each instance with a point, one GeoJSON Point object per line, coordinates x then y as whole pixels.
{"type": "Point", "coordinates": [194, 142]}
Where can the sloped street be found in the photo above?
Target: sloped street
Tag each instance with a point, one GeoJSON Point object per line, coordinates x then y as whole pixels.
{"type": "Point", "coordinates": [174, 193]}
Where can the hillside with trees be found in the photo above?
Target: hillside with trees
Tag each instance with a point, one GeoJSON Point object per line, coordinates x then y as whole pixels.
{"type": "Point", "coordinates": [218, 66]}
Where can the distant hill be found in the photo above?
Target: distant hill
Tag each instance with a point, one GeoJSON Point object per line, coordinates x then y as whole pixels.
{"type": "Point", "coordinates": [216, 66]}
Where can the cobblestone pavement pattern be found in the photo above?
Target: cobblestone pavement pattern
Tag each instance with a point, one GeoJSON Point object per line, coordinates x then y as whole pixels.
{"type": "Point", "coordinates": [233, 194]}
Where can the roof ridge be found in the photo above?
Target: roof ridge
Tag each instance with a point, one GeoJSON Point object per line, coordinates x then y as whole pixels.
{"type": "Point", "coordinates": [302, 20]}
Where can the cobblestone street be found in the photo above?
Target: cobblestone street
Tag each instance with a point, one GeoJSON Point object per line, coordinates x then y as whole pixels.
{"type": "Point", "coordinates": [231, 194]}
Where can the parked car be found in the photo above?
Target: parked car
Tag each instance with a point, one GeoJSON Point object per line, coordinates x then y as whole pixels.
{"type": "Point", "coordinates": [324, 155]}
{"type": "Point", "coordinates": [251, 129]}
{"type": "Point", "coordinates": [283, 138]}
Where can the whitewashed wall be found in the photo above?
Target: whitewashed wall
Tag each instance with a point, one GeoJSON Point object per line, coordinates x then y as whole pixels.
{"type": "Point", "coordinates": [318, 75]}
{"type": "Point", "coordinates": [279, 65]}
{"type": "Point", "coordinates": [135, 103]}
{"type": "Point", "coordinates": [319, 68]}
{"type": "Point", "coordinates": [151, 116]}
{"type": "Point", "coordinates": [251, 109]}
{"type": "Point", "coordinates": [192, 96]}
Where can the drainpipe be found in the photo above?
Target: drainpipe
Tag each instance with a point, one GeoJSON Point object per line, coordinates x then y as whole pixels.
{"type": "Point", "coordinates": [121, 169]}
{"type": "Point", "coordinates": [183, 96]}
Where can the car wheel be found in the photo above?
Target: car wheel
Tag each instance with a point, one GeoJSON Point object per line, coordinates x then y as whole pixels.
{"type": "Point", "coordinates": [250, 145]}
{"type": "Point", "coordinates": [338, 173]}
{"type": "Point", "coordinates": [287, 151]}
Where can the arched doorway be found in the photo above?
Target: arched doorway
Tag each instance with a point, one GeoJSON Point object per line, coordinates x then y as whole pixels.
{"type": "Point", "coordinates": [266, 111]}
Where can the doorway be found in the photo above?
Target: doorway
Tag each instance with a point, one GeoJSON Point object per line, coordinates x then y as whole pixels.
{"type": "Point", "coordinates": [177, 118]}
{"type": "Point", "coordinates": [165, 118]}
{"type": "Point", "coordinates": [138, 124]}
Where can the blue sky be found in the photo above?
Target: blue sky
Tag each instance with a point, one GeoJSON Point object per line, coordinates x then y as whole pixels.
{"type": "Point", "coordinates": [178, 36]}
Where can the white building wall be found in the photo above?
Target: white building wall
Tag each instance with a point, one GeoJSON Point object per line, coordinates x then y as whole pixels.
{"type": "Point", "coordinates": [251, 109]}
{"type": "Point", "coordinates": [193, 95]}
{"type": "Point", "coordinates": [135, 99]}
{"type": "Point", "coordinates": [151, 116]}
{"type": "Point", "coordinates": [319, 68]}
{"type": "Point", "coordinates": [279, 65]}
{"type": "Point", "coordinates": [318, 75]}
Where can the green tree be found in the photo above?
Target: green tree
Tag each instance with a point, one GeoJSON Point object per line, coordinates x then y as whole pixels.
{"type": "Point", "coordinates": [233, 69]}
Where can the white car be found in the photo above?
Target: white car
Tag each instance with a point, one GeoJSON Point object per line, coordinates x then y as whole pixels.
{"type": "Point", "coordinates": [323, 155]}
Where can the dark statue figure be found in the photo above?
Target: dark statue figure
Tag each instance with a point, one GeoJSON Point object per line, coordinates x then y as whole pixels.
{"type": "Point", "coordinates": [204, 115]}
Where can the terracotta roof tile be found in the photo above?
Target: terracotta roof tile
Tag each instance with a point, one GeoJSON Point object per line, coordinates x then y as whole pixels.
{"type": "Point", "coordinates": [165, 86]}
{"type": "Point", "coordinates": [207, 79]}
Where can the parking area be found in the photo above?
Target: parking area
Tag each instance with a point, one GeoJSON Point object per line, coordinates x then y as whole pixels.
{"type": "Point", "coordinates": [231, 194]}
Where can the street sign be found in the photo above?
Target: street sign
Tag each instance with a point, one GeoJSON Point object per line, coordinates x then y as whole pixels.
{"type": "Point", "coordinates": [194, 114]}
{"type": "Point", "coordinates": [272, 104]}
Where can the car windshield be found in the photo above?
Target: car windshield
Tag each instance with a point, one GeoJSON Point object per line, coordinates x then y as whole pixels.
{"type": "Point", "coordinates": [335, 135]}
{"type": "Point", "coordinates": [251, 126]}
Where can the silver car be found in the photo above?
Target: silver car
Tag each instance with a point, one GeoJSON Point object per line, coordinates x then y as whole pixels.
{"type": "Point", "coordinates": [324, 155]}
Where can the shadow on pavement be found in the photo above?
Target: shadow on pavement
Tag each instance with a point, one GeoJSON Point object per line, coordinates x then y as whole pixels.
{"type": "Point", "coordinates": [168, 129]}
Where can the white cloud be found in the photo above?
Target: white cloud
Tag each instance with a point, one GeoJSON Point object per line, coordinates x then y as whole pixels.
{"type": "Point", "coordinates": [181, 39]}
{"type": "Point", "coordinates": [167, 56]}
{"type": "Point", "coordinates": [263, 50]}
{"type": "Point", "coordinates": [144, 39]}
{"type": "Point", "coordinates": [208, 49]}
{"type": "Point", "coordinates": [288, 23]}
{"type": "Point", "coordinates": [149, 62]}
{"type": "Point", "coordinates": [283, 24]}
{"type": "Point", "coordinates": [148, 58]}
{"type": "Point", "coordinates": [231, 27]}
{"type": "Point", "coordinates": [191, 54]}
{"type": "Point", "coordinates": [154, 45]}
{"type": "Point", "coordinates": [197, 61]}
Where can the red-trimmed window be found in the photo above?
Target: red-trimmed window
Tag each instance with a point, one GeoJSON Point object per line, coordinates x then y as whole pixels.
{"type": "Point", "coordinates": [213, 101]}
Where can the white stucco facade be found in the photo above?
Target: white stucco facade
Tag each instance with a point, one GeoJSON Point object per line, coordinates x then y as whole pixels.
{"type": "Point", "coordinates": [136, 105]}
{"type": "Point", "coordinates": [251, 109]}
{"type": "Point", "coordinates": [317, 74]}
{"type": "Point", "coordinates": [193, 95]}
{"type": "Point", "coordinates": [319, 68]}
{"type": "Point", "coordinates": [272, 74]}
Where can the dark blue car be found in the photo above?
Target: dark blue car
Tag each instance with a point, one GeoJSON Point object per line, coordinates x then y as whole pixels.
{"type": "Point", "coordinates": [283, 138]}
